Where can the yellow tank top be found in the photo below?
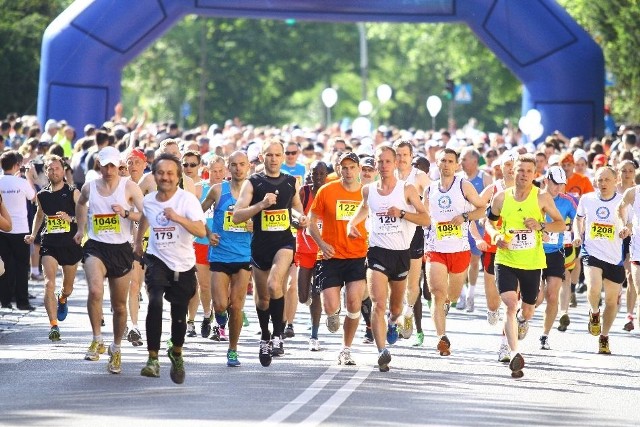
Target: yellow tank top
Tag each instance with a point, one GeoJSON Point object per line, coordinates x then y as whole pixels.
{"type": "Point", "coordinates": [525, 246]}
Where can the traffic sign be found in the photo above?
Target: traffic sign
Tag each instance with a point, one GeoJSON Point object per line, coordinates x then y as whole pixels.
{"type": "Point", "coordinates": [463, 94]}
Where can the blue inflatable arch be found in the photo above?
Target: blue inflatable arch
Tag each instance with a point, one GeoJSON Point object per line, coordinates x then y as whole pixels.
{"type": "Point", "coordinates": [562, 69]}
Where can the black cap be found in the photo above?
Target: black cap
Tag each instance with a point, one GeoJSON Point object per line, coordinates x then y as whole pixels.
{"type": "Point", "coordinates": [368, 162]}
{"type": "Point", "coordinates": [351, 156]}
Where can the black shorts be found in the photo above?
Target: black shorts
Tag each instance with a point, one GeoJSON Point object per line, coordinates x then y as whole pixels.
{"type": "Point", "coordinates": [626, 242]}
{"type": "Point", "coordinates": [488, 262]}
{"type": "Point", "coordinates": [64, 255]}
{"type": "Point", "coordinates": [393, 264]}
{"type": "Point", "coordinates": [508, 278]}
{"type": "Point", "coordinates": [417, 244]}
{"type": "Point", "coordinates": [179, 291]}
{"type": "Point", "coordinates": [116, 257]}
{"type": "Point", "coordinates": [612, 272]}
{"type": "Point", "coordinates": [262, 258]}
{"type": "Point", "coordinates": [229, 268]}
{"type": "Point", "coordinates": [331, 273]}
{"type": "Point", "coordinates": [555, 265]}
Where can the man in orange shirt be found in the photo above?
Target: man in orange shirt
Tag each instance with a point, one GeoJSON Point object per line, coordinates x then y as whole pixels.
{"type": "Point", "coordinates": [577, 184]}
{"type": "Point", "coordinates": [343, 258]}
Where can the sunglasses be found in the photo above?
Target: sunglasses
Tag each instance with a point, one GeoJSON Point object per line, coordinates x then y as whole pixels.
{"type": "Point", "coordinates": [189, 165]}
{"type": "Point", "coordinates": [290, 153]}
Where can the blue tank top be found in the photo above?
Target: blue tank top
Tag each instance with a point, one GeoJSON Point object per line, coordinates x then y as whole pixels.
{"type": "Point", "coordinates": [235, 244]}
{"type": "Point", "coordinates": [567, 209]}
{"type": "Point", "coordinates": [208, 215]}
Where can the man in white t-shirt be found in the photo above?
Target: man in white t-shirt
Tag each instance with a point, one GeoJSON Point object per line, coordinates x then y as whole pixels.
{"type": "Point", "coordinates": [15, 192]}
{"type": "Point", "coordinates": [173, 217]}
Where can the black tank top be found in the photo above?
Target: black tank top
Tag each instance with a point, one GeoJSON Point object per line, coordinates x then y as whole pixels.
{"type": "Point", "coordinates": [57, 201]}
{"type": "Point", "coordinates": [285, 188]}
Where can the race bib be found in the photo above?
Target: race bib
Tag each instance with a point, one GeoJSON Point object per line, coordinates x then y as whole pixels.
{"type": "Point", "coordinates": [106, 223]}
{"type": "Point", "coordinates": [554, 238]}
{"type": "Point", "coordinates": [275, 220]}
{"type": "Point", "coordinates": [602, 231]}
{"type": "Point", "coordinates": [346, 209]}
{"type": "Point", "coordinates": [521, 239]}
{"type": "Point", "coordinates": [229, 225]}
{"type": "Point", "coordinates": [384, 224]}
{"type": "Point", "coordinates": [447, 231]}
{"type": "Point", "coordinates": [165, 237]}
{"type": "Point", "coordinates": [55, 224]}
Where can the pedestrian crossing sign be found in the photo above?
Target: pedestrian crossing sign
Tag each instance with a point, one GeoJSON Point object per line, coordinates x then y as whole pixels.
{"type": "Point", "coordinates": [462, 93]}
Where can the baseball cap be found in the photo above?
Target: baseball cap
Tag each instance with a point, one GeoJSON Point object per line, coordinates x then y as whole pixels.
{"type": "Point", "coordinates": [600, 159]}
{"type": "Point", "coordinates": [50, 124]}
{"type": "Point", "coordinates": [507, 156]}
{"type": "Point", "coordinates": [109, 155]}
{"type": "Point", "coordinates": [136, 152]}
{"type": "Point", "coordinates": [567, 158]}
{"type": "Point", "coordinates": [349, 155]}
{"type": "Point", "coordinates": [554, 159]}
{"type": "Point", "coordinates": [580, 154]}
{"type": "Point", "coordinates": [368, 162]}
{"type": "Point", "coordinates": [557, 175]}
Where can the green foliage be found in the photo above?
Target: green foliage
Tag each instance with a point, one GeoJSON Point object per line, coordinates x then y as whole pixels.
{"type": "Point", "coordinates": [614, 26]}
{"type": "Point", "coordinates": [22, 24]}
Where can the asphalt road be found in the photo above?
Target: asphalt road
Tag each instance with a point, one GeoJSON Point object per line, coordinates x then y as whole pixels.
{"type": "Point", "coordinates": [46, 384]}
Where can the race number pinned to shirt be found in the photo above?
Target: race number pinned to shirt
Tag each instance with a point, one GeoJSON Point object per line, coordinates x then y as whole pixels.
{"type": "Point", "coordinates": [448, 231]}
{"type": "Point", "coordinates": [601, 231]}
{"type": "Point", "coordinates": [165, 237]}
{"type": "Point", "coordinates": [554, 238]}
{"type": "Point", "coordinates": [346, 209]}
{"type": "Point", "coordinates": [229, 225]}
{"type": "Point", "coordinates": [521, 239]}
{"type": "Point", "coordinates": [385, 224]}
{"type": "Point", "coordinates": [106, 224]}
{"type": "Point", "coordinates": [275, 220]}
{"type": "Point", "coordinates": [55, 224]}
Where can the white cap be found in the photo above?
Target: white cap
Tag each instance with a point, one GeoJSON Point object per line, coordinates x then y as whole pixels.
{"type": "Point", "coordinates": [508, 156]}
{"type": "Point", "coordinates": [557, 175]}
{"type": "Point", "coordinates": [109, 155]}
{"type": "Point", "coordinates": [580, 154]}
{"type": "Point", "coordinates": [554, 159]}
{"type": "Point", "coordinates": [253, 151]}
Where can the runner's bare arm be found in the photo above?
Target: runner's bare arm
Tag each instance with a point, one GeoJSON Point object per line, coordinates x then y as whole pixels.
{"type": "Point", "coordinates": [548, 206]}
{"type": "Point", "coordinates": [82, 211]}
{"type": "Point", "coordinates": [5, 218]}
{"type": "Point", "coordinates": [243, 210]}
{"type": "Point", "coordinates": [361, 214]}
{"type": "Point", "coordinates": [212, 197]}
{"type": "Point", "coordinates": [37, 223]}
{"type": "Point", "coordinates": [298, 209]}
{"type": "Point", "coordinates": [628, 199]}
{"type": "Point", "coordinates": [492, 215]}
{"type": "Point", "coordinates": [143, 225]}
{"type": "Point", "coordinates": [419, 217]}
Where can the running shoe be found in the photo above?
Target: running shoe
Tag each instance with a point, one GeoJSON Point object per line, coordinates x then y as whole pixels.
{"type": "Point", "coordinates": [516, 365]}
{"type": "Point", "coordinates": [471, 305]}
{"type": "Point", "coordinates": [177, 372]}
{"type": "Point", "coordinates": [115, 361]}
{"type": "Point", "coordinates": [265, 353]}
{"type": "Point", "coordinates": [135, 337]}
{"type": "Point", "coordinates": [205, 327]}
{"type": "Point", "coordinates": [447, 306]}
{"type": "Point", "coordinates": [125, 333]}
{"type": "Point", "coordinates": [289, 332]}
{"type": "Point", "coordinates": [102, 322]}
{"type": "Point", "coordinates": [95, 350]}
{"type": "Point", "coordinates": [232, 358]}
{"type": "Point", "coordinates": [191, 329]}
{"type": "Point", "coordinates": [333, 322]}
{"type": "Point", "coordinates": [54, 333]}
{"type": "Point", "coordinates": [384, 357]}
{"type": "Point", "coordinates": [419, 339]}
{"type": "Point", "coordinates": [392, 333]}
{"type": "Point", "coordinates": [245, 321]}
{"type": "Point", "coordinates": [444, 346]}
{"type": "Point", "coordinates": [344, 358]}
{"type": "Point", "coordinates": [223, 333]}
{"type": "Point", "coordinates": [314, 344]}
{"type": "Point", "coordinates": [581, 288]}
{"type": "Point", "coordinates": [564, 322]}
{"type": "Point", "coordinates": [277, 347]}
{"type": "Point", "coordinates": [462, 303]}
{"type": "Point", "coordinates": [523, 327]}
{"type": "Point", "coordinates": [629, 325]}
{"type": "Point", "coordinates": [573, 301]}
{"type": "Point", "coordinates": [407, 326]}
{"type": "Point", "coordinates": [215, 333]}
{"type": "Point", "coordinates": [37, 277]}
{"type": "Point", "coordinates": [63, 310]}
{"type": "Point", "coordinates": [604, 345]}
{"type": "Point", "coordinates": [594, 324]}
{"type": "Point", "coordinates": [151, 369]}
{"type": "Point", "coordinates": [368, 337]}
{"type": "Point", "coordinates": [504, 354]}
{"type": "Point", "coordinates": [544, 342]}
{"type": "Point", "coordinates": [493, 317]}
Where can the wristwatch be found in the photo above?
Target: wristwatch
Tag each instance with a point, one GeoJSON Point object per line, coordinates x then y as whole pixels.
{"type": "Point", "coordinates": [465, 216]}
{"type": "Point", "coordinates": [126, 213]}
{"type": "Point", "coordinates": [402, 213]}
{"type": "Point", "coordinates": [542, 226]}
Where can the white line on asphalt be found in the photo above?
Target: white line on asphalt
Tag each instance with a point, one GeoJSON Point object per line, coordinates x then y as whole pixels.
{"type": "Point", "coordinates": [304, 397]}
{"type": "Point", "coordinates": [338, 398]}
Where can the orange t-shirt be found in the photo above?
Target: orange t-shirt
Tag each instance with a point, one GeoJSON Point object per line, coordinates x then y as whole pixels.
{"type": "Point", "coordinates": [336, 206]}
{"type": "Point", "coordinates": [578, 185]}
